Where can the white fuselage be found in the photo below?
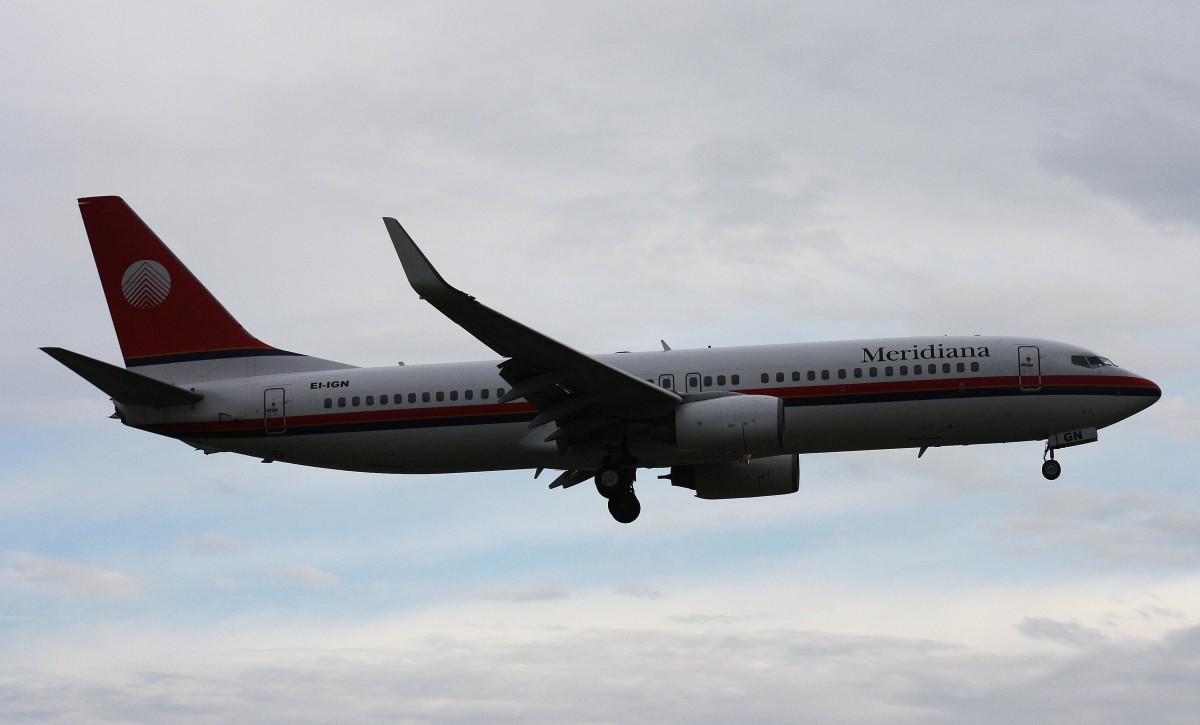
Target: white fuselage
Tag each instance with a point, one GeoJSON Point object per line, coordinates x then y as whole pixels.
{"type": "Point", "coordinates": [837, 396]}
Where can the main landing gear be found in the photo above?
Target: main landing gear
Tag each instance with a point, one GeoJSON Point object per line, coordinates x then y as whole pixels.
{"type": "Point", "coordinates": [616, 484]}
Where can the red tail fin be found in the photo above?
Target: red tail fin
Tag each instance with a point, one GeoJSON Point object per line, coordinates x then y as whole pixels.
{"type": "Point", "coordinates": [162, 313]}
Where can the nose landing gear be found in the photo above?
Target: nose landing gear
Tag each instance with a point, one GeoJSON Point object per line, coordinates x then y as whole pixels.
{"type": "Point", "coordinates": [1051, 468]}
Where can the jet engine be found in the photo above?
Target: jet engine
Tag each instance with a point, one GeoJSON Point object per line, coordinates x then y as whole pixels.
{"type": "Point", "coordinates": [771, 476]}
{"type": "Point", "coordinates": [732, 425]}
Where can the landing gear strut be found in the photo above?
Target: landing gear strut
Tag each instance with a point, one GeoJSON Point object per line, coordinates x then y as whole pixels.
{"type": "Point", "coordinates": [1051, 468]}
{"type": "Point", "coordinates": [616, 485]}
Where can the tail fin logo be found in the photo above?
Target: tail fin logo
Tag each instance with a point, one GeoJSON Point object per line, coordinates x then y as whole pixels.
{"type": "Point", "coordinates": [145, 284]}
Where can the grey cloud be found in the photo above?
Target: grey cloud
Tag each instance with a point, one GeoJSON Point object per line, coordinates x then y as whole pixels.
{"type": "Point", "coordinates": [1144, 158]}
{"type": "Point", "coordinates": [639, 591]}
{"type": "Point", "coordinates": [1069, 633]}
{"type": "Point", "coordinates": [624, 676]}
{"type": "Point", "coordinates": [736, 160]}
{"type": "Point", "coordinates": [1157, 528]}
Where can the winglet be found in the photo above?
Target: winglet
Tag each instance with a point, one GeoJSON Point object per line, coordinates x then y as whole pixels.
{"type": "Point", "coordinates": [424, 279]}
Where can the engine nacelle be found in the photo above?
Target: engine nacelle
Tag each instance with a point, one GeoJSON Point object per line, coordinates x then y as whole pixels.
{"type": "Point", "coordinates": [732, 425]}
{"type": "Point", "coordinates": [772, 476]}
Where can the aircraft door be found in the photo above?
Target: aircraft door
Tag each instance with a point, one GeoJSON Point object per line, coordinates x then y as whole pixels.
{"type": "Point", "coordinates": [692, 383]}
{"type": "Point", "coordinates": [1029, 368]}
{"type": "Point", "coordinates": [667, 382]}
{"type": "Point", "coordinates": [274, 417]}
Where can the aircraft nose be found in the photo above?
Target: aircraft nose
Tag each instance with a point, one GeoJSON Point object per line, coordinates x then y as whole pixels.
{"type": "Point", "coordinates": [1147, 389]}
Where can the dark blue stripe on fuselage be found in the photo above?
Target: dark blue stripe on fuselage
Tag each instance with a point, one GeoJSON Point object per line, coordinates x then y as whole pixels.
{"type": "Point", "coordinates": [205, 355]}
{"type": "Point", "coordinates": [908, 396]}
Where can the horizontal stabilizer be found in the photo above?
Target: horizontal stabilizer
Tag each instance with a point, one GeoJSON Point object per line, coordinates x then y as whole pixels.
{"type": "Point", "coordinates": [123, 386]}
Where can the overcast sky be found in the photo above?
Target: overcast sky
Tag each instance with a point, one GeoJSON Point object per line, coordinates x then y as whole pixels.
{"type": "Point", "coordinates": [611, 174]}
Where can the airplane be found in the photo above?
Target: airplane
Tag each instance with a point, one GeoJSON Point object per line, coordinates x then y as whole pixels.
{"type": "Point", "coordinates": [726, 422]}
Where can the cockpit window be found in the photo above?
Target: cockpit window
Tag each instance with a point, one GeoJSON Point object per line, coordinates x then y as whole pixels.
{"type": "Point", "coordinates": [1092, 361]}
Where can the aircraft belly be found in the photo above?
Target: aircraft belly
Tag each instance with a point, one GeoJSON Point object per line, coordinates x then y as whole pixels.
{"type": "Point", "coordinates": [442, 450]}
{"type": "Point", "coordinates": [910, 424]}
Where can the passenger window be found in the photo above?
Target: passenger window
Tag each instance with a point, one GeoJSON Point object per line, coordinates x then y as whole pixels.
{"type": "Point", "coordinates": [355, 401]}
{"type": "Point", "coordinates": [889, 371]}
{"type": "Point", "coordinates": [693, 381]}
{"type": "Point", "coordinates": [412, 397]}
{"type": "Point", "coordinates": [812, 374]}
{"type": "Point", "coordinates": [735, 379]}
{"type": "Point", "coordinates": [484, 394]}
{"type": "Point", "coordinates": [468, 394]}
{"type": "Point", "coordinates": [720, 380]}
{"type": "Point", "coordinates": [766, 378]}
{"type": "Point", "coordinates": [499, 392]}
{"type": "Point", "coordinates": [795, 376]}
{"type": "Point", "coordinates": [383, 400]}
{"type": "Point", "coordinates": [779, 377]}
{"type": "Point", "coordinates": [454, 395]}
{"type": "Point", "coordinates": [858, 372]}
{"type": "Point", "coordinates": [916, 369]}
{"type": "Point", "coordinates": [903, 370]}
{"type": "Point", "coordinates": [841, 373]}
{"type": "Point", "coordinates": [440, 396]}
{"type": "Point", "coordinates": [708, 381]}
{"type": "Point", "coordinates": [341, 402]}
{"type": "Point", "coordinates": [424, 397]}
{"type": "Point", "coordinates": [873, 372]}
{"type": "Point", "coordinates": [945, 367]}
{"type": "Point", "coordinates": [962, 367]}
{"type": "Point", "coordinates": [329, 402]}
{"type": "Point", "coordinates": [370, 400]}
{"type": "Point", "coordinates": [824, 374]}
{"type": "Point", "coordinates": [974, 367]}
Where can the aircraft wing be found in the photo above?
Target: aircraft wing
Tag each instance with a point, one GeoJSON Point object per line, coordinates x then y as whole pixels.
{"type": "Point", "coordinates": [578, 392]}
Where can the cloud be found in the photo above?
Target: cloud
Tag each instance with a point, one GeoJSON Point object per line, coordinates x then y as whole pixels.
{"type": "Point", "coordinates": [1152, 527]}
{"type": "Point", "coordinates": [1177, 416]}
{"type": "Point", "coordinates": [68, 579]}
{"type": "Point", "coordinates": [541, 593]}
{"type": "Point", "coordinates": [1142, 157]}
{"type": "Point", "coordinates": [309, 576]}
{"type": "Point", "coordinates": [638, 591]}
{"type": "Point", "coordinates": [1069, 633]}
{"type": "Point", "coordinates": [210, 544]}
{"type": "Point", "coordinates": [607, 674]}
